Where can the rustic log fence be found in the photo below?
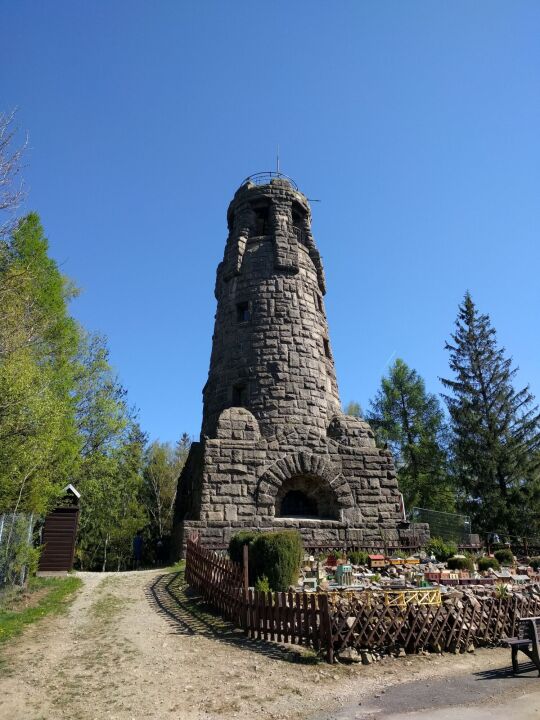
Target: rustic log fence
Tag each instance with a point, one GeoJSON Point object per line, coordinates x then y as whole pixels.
{"type": "Point", "coordinates": [332, 622]}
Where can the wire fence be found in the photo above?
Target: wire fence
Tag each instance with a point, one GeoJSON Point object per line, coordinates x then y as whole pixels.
{"type": "Point", "coordinates": [16, 547]}
{"type": "Point", "coordinates": [448, 526]}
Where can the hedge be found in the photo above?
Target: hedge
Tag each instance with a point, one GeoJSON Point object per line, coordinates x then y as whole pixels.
{"type": "Point", "coordinates": [358, 557]}
{"type": "Point", "coordinates": [484, 563]}
{"type": "Point", "coordinates": [505, 556]}
{"type": "Point", "coordinates": [441, 549]}
{"type": "Point", "coordinates": [276, 555]}
{"type": "Point", "coordinates": [460, 563]}
{"type": "Point", "coordinates": [237, 542]}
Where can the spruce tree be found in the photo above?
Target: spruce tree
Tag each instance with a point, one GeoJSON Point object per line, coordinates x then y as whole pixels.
{"type": "Point", "coordinates": [410, 422]}
{"type": "Point", "coordinates": [495, 428]}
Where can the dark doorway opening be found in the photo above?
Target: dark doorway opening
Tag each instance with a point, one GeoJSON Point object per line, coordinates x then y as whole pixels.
{"type": "Point", "coordinates": [298, 504]}
{"type": "Point", "coordinates": [306, 496]}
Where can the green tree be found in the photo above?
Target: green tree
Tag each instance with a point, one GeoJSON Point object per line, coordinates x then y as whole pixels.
{"type": "Point", "coordinates": [39, 443]}
{"type": "Point", "coordinates": [410, 422]}
{"type": "Point", "coordinates": [353, 408]}
{"type": "Point", "coordinates": [162, 470]}
{"type": "Point", "coordinates": [109, 474]}
{"type": "Point", "coordinates": [495, 428]}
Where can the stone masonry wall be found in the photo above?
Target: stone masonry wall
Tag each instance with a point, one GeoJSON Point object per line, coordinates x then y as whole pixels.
{"type": "Point", "coordinates": [281, 353]}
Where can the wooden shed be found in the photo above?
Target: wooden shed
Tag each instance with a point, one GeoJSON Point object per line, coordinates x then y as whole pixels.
{"type": "Point", "coordinates": [59, 534]}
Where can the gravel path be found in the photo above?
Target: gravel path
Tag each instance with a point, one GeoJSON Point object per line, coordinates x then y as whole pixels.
{"type": "Point", "coordinates": [136, 645]}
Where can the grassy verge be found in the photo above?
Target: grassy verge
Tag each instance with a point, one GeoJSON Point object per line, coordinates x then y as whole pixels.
{"type": "Point", "coordinates": [43, 596]}
{"type": "Point", "coordinates": [179, 566]}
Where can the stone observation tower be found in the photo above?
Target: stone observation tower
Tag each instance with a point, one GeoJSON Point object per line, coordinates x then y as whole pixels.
{"type": "Point", "coordinates": [276, 450]}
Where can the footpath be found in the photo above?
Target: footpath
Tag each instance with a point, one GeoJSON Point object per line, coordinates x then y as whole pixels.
{"type": "Point", "coordinates": [139, 645]}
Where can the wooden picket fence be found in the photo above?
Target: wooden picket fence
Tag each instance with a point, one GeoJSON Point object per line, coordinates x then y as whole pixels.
{"type": "Point", "coordinates": [451, 626]}
{"type": "Point", "coordinates": [297, 618]}
{"type": "Point", "coordinates": [219, 580]}
{"type": "Point", "coordinates": [332, 622]}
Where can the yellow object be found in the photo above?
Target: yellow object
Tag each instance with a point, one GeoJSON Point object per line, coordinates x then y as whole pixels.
{"type": "Point", "coordinates": [418, 596]}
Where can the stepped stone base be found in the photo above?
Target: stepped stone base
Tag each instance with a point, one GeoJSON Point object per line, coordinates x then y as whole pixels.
{"type": "Point", "coordinates": [240, 480]}
{"type": "Point", "coordinates": [314, 534]}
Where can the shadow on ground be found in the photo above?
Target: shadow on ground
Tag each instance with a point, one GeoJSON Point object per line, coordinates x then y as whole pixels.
{"type": "Point", "coordinates": [189, 614]}
{"type": "Point", "coordinates": [527, 671]}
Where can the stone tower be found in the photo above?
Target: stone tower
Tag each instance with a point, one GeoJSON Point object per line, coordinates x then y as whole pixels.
{"type": "Point", "coordinates": [276, 449]}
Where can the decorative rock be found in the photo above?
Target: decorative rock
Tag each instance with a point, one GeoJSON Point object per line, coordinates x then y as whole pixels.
{"type": "Point", "coordinates": [349, 655]}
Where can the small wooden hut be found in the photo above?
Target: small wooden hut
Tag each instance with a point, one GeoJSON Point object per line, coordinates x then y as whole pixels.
{"type": "Point", "coordinates": [59, 534]}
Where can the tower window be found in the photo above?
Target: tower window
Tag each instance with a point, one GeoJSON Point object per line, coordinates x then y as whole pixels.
{"type": "Point", "coordinates": [298, 215]}
{"type": "Point", "coordinates": [319, 302]}
{"type": "Point", "coordinates": [326, 348]}
{"type": "Point", "coordinates": [242, 312]}
{"type": "Point", "coordinates": [261, 219]}
{"type": "Point", "coordinates": [239, 395]}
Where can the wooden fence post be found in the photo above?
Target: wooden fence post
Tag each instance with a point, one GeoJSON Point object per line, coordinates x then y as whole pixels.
{"type": "Point", "coordinates": [245, 587]}
{"type": "Point", "coordinates": [326, 627]}
{"type": "Point", "coordinates": [245, 567]}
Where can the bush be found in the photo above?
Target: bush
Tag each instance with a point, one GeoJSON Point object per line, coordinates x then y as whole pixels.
{"type": "Point", "coordinates": [262, 584]}
{"type": "Point", "coordinates": [534, 562]}
{"type": "Point", "coordinates": [484, 563]}
{"type": "Point", "coordinates": [237, 542]}
{"type": "Point", "coordinates": [358, 557]}
{"type": "Point", "coordinates": [504, 556]}
{"type": "Point", "coordinates": [276, 555]}
{"type": "Point", "coordinates": [460, 563]}
{"type": "Point", "coordinates": [441, 549]}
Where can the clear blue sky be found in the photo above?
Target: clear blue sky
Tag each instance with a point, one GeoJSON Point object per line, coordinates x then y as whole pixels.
{"type": "Point", "coordinates": [416, 123]}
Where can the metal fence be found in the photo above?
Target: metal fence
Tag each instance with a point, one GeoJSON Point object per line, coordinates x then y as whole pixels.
{"type": "Point", "coordinates": [16, 530]}
{"type": "Point", "coordinates": [448, 526]}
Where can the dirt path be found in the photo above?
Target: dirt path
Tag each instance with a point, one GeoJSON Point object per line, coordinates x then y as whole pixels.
{"type": "Point", "coordinates": [135, 645]}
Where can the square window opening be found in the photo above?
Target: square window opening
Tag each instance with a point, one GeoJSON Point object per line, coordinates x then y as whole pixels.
{"type": "Point", "coordinates": [239, 395]}
{"type": "Point", "coordinates": [242, 312]}
{"type": "Point", "coordinates": [327, 348]}
{"type": "Point", "coordinates": [261, 220]}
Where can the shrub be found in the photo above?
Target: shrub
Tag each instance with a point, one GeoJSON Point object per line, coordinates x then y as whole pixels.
{"type": "Point", "coordinates": [460, 563]}
{"type": "Point", "coordinates": [262, 584]}
{"type": "Point", "coordinates": [484, 563]}
{"type": "Point", "coordinates": [277, 555]}
{"type": "Point", "coordinates": [534, 562]}
{"type": "Point", "coordinates": [441, 549]}
{"type": "Point", "coordinates": [237, 542]}
{"type": "Point", "coordinates": [504, 556]}
{"type": "Point", "coordinates": [358, 557]}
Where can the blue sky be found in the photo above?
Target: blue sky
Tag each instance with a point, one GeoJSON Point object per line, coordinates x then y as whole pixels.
{"type": "Point", "coordinates": [415, 123]}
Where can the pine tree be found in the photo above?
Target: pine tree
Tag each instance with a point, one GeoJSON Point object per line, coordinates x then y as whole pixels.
{"type": "Point", "coordinates": [496, 429]}
{"type": "Point", "coordinates": [410, 422]}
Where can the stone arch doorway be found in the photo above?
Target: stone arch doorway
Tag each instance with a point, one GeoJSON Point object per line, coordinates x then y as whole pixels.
{"type": "Point", "coordinates": [311, 476]}
{"type": "Point", "coordinates": [306, 496]}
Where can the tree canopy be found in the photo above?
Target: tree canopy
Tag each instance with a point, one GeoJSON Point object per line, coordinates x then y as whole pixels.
{"type": "Point", "coordinates": [410, 421]}
{"type": "Point", "coordinates": [495, 428]}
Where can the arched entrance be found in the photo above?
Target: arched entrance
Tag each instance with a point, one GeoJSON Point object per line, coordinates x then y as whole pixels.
{"type": "Point", "coordinates": [306, 496]}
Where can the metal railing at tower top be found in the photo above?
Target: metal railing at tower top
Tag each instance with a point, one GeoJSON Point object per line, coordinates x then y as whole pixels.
{"type": "Point", "coordinates": [301, 236]}
{"type": "Point", "coordinates": [265, 178]}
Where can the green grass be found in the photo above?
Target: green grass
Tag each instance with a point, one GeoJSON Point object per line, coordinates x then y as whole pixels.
{"type": "Point", "coordinates": [54, 596]}
{"type": "Point", "coordinates": [178, 566]}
